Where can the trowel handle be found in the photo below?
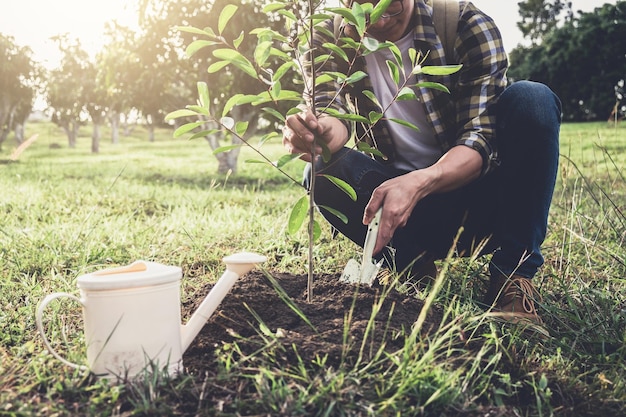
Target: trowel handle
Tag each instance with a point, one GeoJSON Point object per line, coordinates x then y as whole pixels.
{"type": "Point", "coordinates": [370, 238]}
{"type": "Point", "coordinates": [42, 331]}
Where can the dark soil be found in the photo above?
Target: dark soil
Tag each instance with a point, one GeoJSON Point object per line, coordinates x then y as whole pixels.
{"type": "Point", "coordinates": [255, 295]}
{"type": "Point", "coordinates": [255, 313]}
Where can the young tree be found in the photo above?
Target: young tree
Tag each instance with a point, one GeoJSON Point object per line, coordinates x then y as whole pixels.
{"type": "Point", "coordinates": [282, 56]}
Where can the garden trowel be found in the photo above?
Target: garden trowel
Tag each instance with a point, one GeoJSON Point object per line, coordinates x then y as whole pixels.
{"type": "Point", "coordinates": [366, 271]}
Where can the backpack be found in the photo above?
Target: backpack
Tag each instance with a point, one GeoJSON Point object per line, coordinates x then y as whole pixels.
{"type": "Point", "coordinates": [446, 15]}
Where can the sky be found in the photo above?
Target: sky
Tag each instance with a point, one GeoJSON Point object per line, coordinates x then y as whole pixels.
{"type": "Point", "coordinates": [33, 22]}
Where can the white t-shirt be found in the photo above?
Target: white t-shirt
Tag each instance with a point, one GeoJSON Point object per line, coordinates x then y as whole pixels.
{"type": "Point", "coordinates": [414, 150]}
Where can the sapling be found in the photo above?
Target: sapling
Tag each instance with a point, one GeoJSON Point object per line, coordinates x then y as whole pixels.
{"type": "Point", "coordinates": [290, 55]}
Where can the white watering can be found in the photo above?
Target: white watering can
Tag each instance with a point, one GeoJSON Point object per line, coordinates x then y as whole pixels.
{"type": "Point", "coordinates": [132, 320]}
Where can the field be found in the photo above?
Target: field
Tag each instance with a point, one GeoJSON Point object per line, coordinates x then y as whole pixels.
{"type": "Point", "coordinates": [67, 211]}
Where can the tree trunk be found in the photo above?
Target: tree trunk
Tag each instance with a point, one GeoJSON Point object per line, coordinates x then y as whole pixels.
{"type": "Point", "coordinates": [3, 136]}
{"type": "Point", "coordinates": [114, 118]}
{"type": "Point", "coordinates": [227, 161]}
{"type": "Point", "coordinates": [150, 122]}
{"type": "Point", "coordinates": [95, 138]}
{"type": "Point", "coordinates": [71, 130]}
{"type": "Point", "coordinates": [151, 132]}
{"type": "Point", "coordinates": [19, 133]}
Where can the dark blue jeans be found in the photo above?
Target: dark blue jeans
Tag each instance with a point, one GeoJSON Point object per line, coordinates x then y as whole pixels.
{"type": "Point", "coordinates": [505, 212]}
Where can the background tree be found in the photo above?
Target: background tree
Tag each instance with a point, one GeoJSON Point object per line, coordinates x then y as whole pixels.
{"type": "Point", "coordinates": [539, 17]}
{"type": "Point", "coordinates": [222, 79]}
{"type": "Point", "coordinates": [115, 75]}
{"type": "Point", "coordinates": [94, 97]}
{"type": "Point", "coordinates": [18, 86]}
{"type": "Point", "coordinates": [582, 61]}
{"type": "Point", "coordinates": [66, 86]}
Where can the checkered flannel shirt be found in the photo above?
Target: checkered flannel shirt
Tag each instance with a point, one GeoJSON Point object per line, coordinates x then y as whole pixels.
{"type": "Point", "coordinates": [465, 116]}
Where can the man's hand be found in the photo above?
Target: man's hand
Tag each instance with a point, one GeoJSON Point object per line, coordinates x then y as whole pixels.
{"type": "Point", "coordinates": [399, 195]}
{"type": "Point", "coordinates": [302, 129]}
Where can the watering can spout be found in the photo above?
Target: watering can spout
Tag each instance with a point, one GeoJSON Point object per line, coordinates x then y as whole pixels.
{"type": "Point", "coordinates": [236, 266]}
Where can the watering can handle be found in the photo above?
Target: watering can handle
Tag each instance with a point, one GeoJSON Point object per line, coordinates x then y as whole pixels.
{"type": "Point", "coordinates": [42, 331]}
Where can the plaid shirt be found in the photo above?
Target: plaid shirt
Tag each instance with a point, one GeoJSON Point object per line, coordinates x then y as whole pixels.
{"type": "Point", "coordinates": [466, 116]}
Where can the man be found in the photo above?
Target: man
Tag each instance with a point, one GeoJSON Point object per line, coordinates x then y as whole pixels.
{"type": "Point", "coordinates": [485, 156]}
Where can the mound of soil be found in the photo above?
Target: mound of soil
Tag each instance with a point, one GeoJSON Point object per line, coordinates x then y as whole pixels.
{"type": "Point", "coordinates": [315, 328]}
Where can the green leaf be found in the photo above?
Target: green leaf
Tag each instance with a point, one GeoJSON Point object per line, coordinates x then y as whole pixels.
{"type": "Point", "coordinates": [346, 13]}
{"type": "Point", "coordinates": [203, 95]}
{"type": "Point", "coordinates": [324, 78]}
{"type": "Point", "coordinates": [336, 213]}
{"type": "Point", "coordinates": [375, 116]}
{"type": "Point", "coordinates": [241, 128]}
{"type": "Point", "coordinates": [357, 76]}
{"type": "Point", "coordinates": [337, 50]}
{"type": "Point", "coordinates": [406, 93]}
{"type": "Point", "coordinates": [272, 7]}
{"type": "Point", "coordinates": [326, 154]}
{"type": "Point", "coordinates": [272, 34]}
{"type": "Point", "coordinates": [289, 15]}
{"type": "Point", "coordinates": [274, 113]}
{"type": "Point", "coordinates": [262, 52]}
{"type": "Point", "coordinates": [370, 44]}
{"type": "Point", "coordinates": [180, 113]}
{"type": "Point", "coordinates": [379, 9]}
{"type": "Point", "coordinates": [196, 45]}
{"type": "Point", "coordinates": [237, 42]}
{"type": "Point", "coordinates": [365, 147]}
{"type": "Point", "coordinates": [435, 86]}
{"type": "Point", "coordinates": [369, 94]}
{"type": "Point", "coordinates": [203, 134]}
{"type": "Point", "coordinates": [283, 69]}
{"type": "Point", "coordinates": [276, 89]}
{"type": "Point", "coordinates": [227, 12]}
{"type": "Point", "coordinates": [440, 69]}
{"type": "Point", "coordinates": [217, 66]}
{"type": "Point", "coordinates": [396, 52]}
{"type": "Point", "coordinates": [285, 95]}
{"type": "Point", "coordinates": [226, 148]}
{"type": "Point", "coordinates": [237, 59]}
{"type": "Point", "coordinates": [191, 29]}
{"type": "Point", "coordinates": [186, 128]}
{"type": "Point", "coordinates": [199, 109]}
{"type": "Point", "coordinates": [405, 123]}
{"type": "Point", "coordinates": [394, 71]}
{"type": "Point", "coordinates": [317, 230]}
{"type": "Point", "coordinates": [342, 185]}
{"type": "Point", "coordinates": [268, 136]}
{"type": "Point", "coordinates": [359, 11]}
{"type": "Point", "coordinates": [297, 216]}
{"type": "Point", "coordinates": [230, 103]}
{"type": "Point", "coordinates": [285, 159]}
{"type": "Point", "coordinates": [280, 54]}
{"type": "Point", "coordinates": [257, 161]}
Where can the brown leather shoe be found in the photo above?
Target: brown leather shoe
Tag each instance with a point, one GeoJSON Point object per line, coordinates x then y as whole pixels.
{"type": "Point", "coordinates": [513, 299]}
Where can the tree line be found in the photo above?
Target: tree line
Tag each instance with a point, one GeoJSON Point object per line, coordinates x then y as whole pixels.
{"type": "Point", "coordinates": [149, 72]}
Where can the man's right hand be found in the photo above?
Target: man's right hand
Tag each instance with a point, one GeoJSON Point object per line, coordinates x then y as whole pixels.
{"type": "Point", "coordinates": [302, 129]}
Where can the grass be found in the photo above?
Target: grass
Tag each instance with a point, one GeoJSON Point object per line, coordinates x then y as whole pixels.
{"type": "Point", "coordinates": [67, 211]}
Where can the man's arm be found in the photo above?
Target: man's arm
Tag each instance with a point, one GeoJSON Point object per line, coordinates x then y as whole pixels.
{"type": "Point", "coordinates": [398, 196]}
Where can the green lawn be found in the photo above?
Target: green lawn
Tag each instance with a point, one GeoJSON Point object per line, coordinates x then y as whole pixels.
{"type": "Point", "coordinates": [68, 211]}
